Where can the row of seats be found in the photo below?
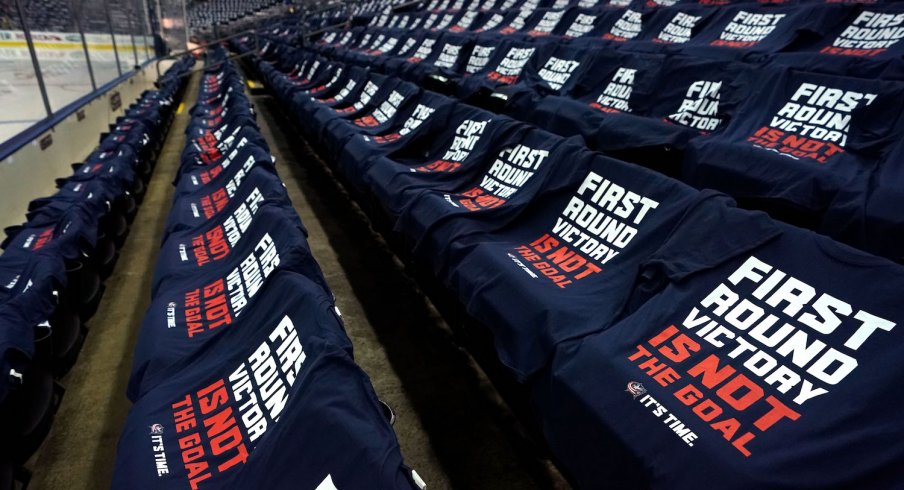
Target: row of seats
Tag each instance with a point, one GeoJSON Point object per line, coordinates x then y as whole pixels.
{"type": "Point", "coordinates": [208, 13]}
{"type": "Point", "coordinates": [666, 336]}
{"type": "Point", "coordinates": [317, 16]}
{"type": "Point", "coordinates": [41, 15]}
{"type": "Point", "coordinates": [819, 148]}
{"type": "Point", "coordinates": [53, 266]}
{"type": "Point", "coordinates": [243, 374]}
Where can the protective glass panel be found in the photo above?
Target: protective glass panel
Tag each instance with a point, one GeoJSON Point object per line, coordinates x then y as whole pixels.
{"type": "Point", "coordinates": [122, 19]}
{"type": "Point", "coordinates": [144, 45]}
{"type": "Point", "coordinates": [101, 52]}
{"type": "Point", "coordinates": [20, 96]}
{"type": "Point", "coordinates": [61, 54]}
{"type": "Point", "coordinates": [172, 24]}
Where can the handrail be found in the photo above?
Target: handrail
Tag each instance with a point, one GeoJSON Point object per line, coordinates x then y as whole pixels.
{"type": "Point", "coordinates": [325, 29]}
{"type": "Point", "coordinates": [205, 46]}
{"type": "Point", "coordinates": [219, 64]}
{"type": "Point", "coordinates": [255, 18]}
{"type": "Point", "coordinates": [324, 9]}
{"type": "Point", "coordinates": [399, 7]}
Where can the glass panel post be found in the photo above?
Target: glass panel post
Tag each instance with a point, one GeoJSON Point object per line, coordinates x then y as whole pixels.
{"type": "Point", "coordinates": [112, 35]}
{"type": "Point", "coordinates": [132, 31]}
{"type": "Point", "coordinates": [34, 58]}
{"type": "Point", "coordinates": [81, 32]}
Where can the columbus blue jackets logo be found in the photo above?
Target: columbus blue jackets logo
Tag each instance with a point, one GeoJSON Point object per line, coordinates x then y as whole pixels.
{"type": "Point", "coordinates": [635, 389]}
{"type": "Point", "coordinates": [156, 429]}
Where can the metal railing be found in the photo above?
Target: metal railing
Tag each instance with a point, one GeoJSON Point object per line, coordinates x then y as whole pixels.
{"type": "Point", "coordinates": [327, 28]}
{"type": "Point", "coordinates": [252, 32]}
{"type": "Point", "coordinates": [402, 6]}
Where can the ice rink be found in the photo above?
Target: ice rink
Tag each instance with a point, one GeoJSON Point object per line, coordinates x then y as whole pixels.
{"type": "Point", "coordinates": [63, 65]}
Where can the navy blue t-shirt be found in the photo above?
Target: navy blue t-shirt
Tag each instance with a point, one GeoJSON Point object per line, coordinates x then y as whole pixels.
{"type": "Point", "coordinates": [233, 113]}
{"type": "Point", "coordinates": [28, 284]}
{"type": "Point", "coordinates": [303, 106]}
{"type": "Point", "coordinates": [185, 253]}
{"type": "Point", "coordinates": [507, 180]}
{"type": "Point", "coordinates": [760, 368]}
{"type": "Point", "coordinates": [442, 157]}
{"type": "Point", "coordinates": [494, 20]}
{"type": "Point", "coordinates": [95, 195]}
{"type": "Point", "coordinates": [416, 53]}
{"type": "Point", "coordinates": [624, 26]}
{"type": "Point", "coordinates": [867, 213]}
{"type": "Point", "coordinates": [72, 190]}
{"type": "Point", "coordinates": [116, 168]}
{"type": "Point", "coordinates": [503, 67]}
{"type": "Point", "coordinates": [544, 22]}
{"type": "Point", "coordinates": [553, 69]}
{"type": "Point", "coordinates": [212, 98]}
{"type": "Point", "coordinates": [699, 95]}
{"type": "Point", "coordinates": [667, 29]}
{"type": "Point", "coordinates": [409, 42]}
{"type": "Point", "coordinates": [373, 88]}
{"type": "Point", "coordinates": [736, 32]}
{"type": "Point", "coordinates": [284, 82]}
{"type": "Point", "coordinates": [240, 154]}
{"type": "Point", "coordinates": [70, 231]}
{"type": "Point", "coordinates": [800, 139]}
{"type": "Point", "coordinates": [465, 20]}
{"type": "Point", "coordinates": [134, 134]}
{"type": "Point", "coordinates": [517, 25]}
{"type": "Point", "coordinates": [484, 48]}
{"type": "Point", "coordinates": [208, 147]}
{"type": "Point", "coordinates": [339, 88]}
{"type": "Point", "coordinates": [193, 210]}
{"type": "Point", "coordinates": [587, 23]}
{"type": "Point", "coordinates": [446, 59]}
{"type": "Point", "coordinates": [637, 100]}
{"type": "Point", "coordinates": [390, 42]}
{"type": "Point", "coordinates": [865, 42]}
{"type": "Point", "coordinates": [873, 31]}
{"type": "Point", "coordinates": [319, 75]}
{"type": "Point", "coordinates": [377, 116]}
{"type": "Point", "coordinates": [188, 311]}
{"type": "Point", "coordinates": [355, 156]}
{"type": "Point", "coordinates": [285, 384]}
{"type": "Point", "coordinates": [610, 81]}
{"type": "Point", "coordinates": [565, 267]}
{"type": "Point", "coordinates": [353, 443]}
